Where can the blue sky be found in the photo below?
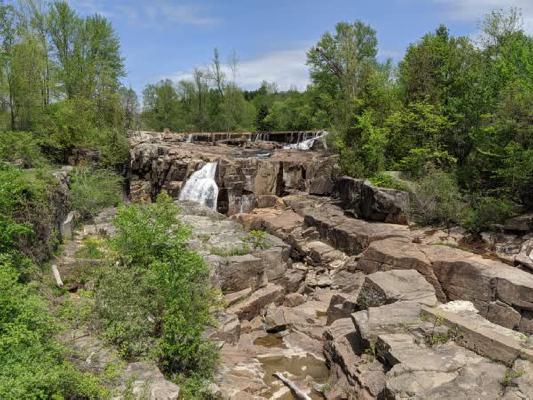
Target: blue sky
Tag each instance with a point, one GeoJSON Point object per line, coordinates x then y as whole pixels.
{"type": "Point", "coordinates": [168, 38]}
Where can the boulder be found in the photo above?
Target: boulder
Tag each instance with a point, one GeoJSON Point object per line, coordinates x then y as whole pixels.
{"type": "Point", "coordinates": [385, 287]}
{"type": "Point", "coordinates": [237, 273]}
{"type": "Point", "coordinates": [521, 223]}
{"type": "Point", "coordinates": [372, 203]}
{"type": "Point", "coordinates": [252, 306]}
{"type": "Point", "coordinates": [349, 235]}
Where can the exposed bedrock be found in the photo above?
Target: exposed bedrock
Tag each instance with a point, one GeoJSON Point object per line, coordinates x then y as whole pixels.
{"type": "Point", "coordinates": [247, 178]}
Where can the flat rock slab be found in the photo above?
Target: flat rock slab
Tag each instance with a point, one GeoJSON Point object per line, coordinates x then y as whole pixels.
{"type": "Point", "coordinates": [251, 307]}
{"type": "Point", "coordinates": [482, 336]}
{"type": "Point", "coordinates": [457, 275]}
{"type": "Point", "coordinates": [385, 287]}
{"type": "Point", "coordinates": [347, 234]}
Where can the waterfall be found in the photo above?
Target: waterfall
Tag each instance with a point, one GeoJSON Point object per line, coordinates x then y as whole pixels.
{"type": "Point", "coordinates": [201, 187]}
{"type": "Point", "coordinates": [306, 144]}
{"type": "Point", "coordinates": [189, 138]}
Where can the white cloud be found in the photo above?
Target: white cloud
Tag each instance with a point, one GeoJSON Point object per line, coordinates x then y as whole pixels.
{"type": "Point", "coordinates": [152, 13]}
{"type": "Point", "coordinates": [474, 10]}
{"type": "Point", "coordinates": [285, 67]}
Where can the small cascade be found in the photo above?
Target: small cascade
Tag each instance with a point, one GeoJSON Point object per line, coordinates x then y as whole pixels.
{"type": "Point", "coordinates": [201, 187]}
{"type": "Point", "coordinates": [189, 138]}
{"type": "Point", "coordinates": [304, 142]}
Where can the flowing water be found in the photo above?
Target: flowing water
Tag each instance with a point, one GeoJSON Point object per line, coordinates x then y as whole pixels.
{"type": "Point", "coordinates": [201, 187]}
{"type": "Point", "coordinates": [305, 143]}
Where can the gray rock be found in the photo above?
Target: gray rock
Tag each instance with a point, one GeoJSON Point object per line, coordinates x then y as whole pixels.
{"type": "Point", "coordinates": [385, 287]}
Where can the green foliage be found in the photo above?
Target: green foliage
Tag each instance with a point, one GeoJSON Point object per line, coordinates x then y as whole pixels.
{"type": "Point", "coordinates": [257, 239]}
{"type": "Point", "coordinates": [385, 180]}
{"type": "Point", "coordinates": [93, 190]}
{"type": "Point", "coordinates": [486, 212]}
{"type": "Point", "coordinates": [157, 299]}
{"type": "Point", "coordinates": [437, 199]}
{"type": "Point", "coordinates": [26, 216]}
{"type": "Point", "coordinates": [239, 250]}
{"type": "Point", "coordinates": [32, 364]}
{"type": "Point", "coordinates": [21, 148]}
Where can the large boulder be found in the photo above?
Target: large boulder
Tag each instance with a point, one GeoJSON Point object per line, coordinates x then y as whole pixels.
{"type": "Point", "coordinates": [372, 203]}
{"type": "Point", "coordinates": [385, 287]}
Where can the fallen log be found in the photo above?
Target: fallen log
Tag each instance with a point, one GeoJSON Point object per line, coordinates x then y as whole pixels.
{"type": "Point", "coordinates": [295, 390]}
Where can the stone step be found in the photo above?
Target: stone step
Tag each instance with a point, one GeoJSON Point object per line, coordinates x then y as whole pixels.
{"type": "Point", "coordinates": [476, 333]}
{"type": "Point", "coordinates": [459, 275]}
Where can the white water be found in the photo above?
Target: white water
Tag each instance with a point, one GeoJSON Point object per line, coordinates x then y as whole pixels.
{"type": "Point", "coordinates": [306, 144]}
{"type": "Point", "coordinates": [189, 138]}
{"type": "Point", "coordinates": [201, 187]}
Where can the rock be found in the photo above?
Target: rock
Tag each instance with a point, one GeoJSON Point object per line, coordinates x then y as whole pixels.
{"type": "Point", "coordinates": [444, 372]}
{"type": "Point", "coordinates": [455, 274]}
{"type": "Point", "coordinates": [67, 226]}
{"type": "Point", "coordinates": [252, 306]}
{"type": "Point", "coordinates": [372, 203]}
{"type": "Point", "coordinates": [281, 318]}
{"type": "Point", "coordinates": [349, 235]}
{"type": "Point", "coordinates": [323, 186]}
{"type": "Point", "coordinates": [365, 376]}
{"type": "Point", "coordinates": [521, 381]}
{"type": "Point", "coordinates": [293, 280]}
{"type": "Point", "coordinates": [398, 253]}
{"type": "Point", "coordinates": [227, 330]}
{"type": "Point", "coordinates": [240, 272]}
{"type": "Point", "coordinates": [341, 306]}
{"type": "Point", "coordinates": [525, 256]}
{"type": "Point", "coordinates": [482, 336]}
{"type": "Point", "coordinates": [384, 319]}
{"type": "Point", "coordinates": [385, 205]}
{"type": "Point", "coordinates": [294, 299]}
{"type": "Point", "coordinates": [521, 223]}
{"type": "Point", "coordinates": [385, 287]}
{"type": "Point", "coordinates": [504, 315]}
{"type": "Point", "coordinates": [147, 379]}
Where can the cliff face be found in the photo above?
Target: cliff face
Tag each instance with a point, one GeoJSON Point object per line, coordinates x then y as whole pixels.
{"type": "Point", "coordinates": [246, 177]}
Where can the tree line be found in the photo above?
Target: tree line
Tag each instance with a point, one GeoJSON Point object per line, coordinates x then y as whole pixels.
{"type": "Point", "coordinates": [60, 78]}
{"type": "Point", "coordinates": [453, 104]}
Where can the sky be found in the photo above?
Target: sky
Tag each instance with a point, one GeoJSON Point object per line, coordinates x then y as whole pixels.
{"type": "Point", "coordinates": [169, 38]}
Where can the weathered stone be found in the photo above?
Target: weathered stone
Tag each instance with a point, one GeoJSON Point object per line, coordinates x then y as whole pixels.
{"type": "Point", "coordinates": [386, 287]}
{"type": "Point", "coordinates": [482, 336]}
{"type": "Point", "coordinates": [348, 234]}
{"type": "Point", "coordinates": [240, 272]}
{"type": "Point", "coordinates": [522, 223]}
{"type": "Point", "coordinates": [252, 306]}
{"type": "Point", "coordinates": [520, 386]}
{"type": "Point", "coordinates": [504, 315]}
{"type": "Point", "coordinates": [372, 203]}
{"type": "Point", "coordinates": [147, 379]}
{"type": "Point", "coordinates": [398, 253]}
{"type": "Point", "coordinates": [294, 299]}
{"type": "Point", "coordinates": [385, 205]}
{"type": "Point", "coordinates": [323, 186]}
{"type": "Point", "coordinates": [385, 319]}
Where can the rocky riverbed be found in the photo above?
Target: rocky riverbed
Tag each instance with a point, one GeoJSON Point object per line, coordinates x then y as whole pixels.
{"type": "Point", "coordinates": [325, 282]}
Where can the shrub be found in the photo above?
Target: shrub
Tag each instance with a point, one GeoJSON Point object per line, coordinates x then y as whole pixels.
{"type": "Point", "coordinates": [157, 300]}
{"type": "Point", "coordinates": [436, 199]}
{"type": "Point", "coordinates": [385, 180]}
{"type": "Point", "coordinates": [21, 148]}
{"type": "Point", "coordinates": [421, 160]}
{"type": "Point", "coordinates": [93, 190]}
{"type": "Point", "coordinates": [486, 212]}
{"type": "Point", "coordinates": [32, 364]}
{"type": "Point", "coordinates": [26, 215]}
{"type": "Point", "coordinates": [257, 239]}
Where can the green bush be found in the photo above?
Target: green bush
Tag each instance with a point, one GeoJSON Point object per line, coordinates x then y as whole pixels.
{"type": "Point", "coordinates": [21, 148]}
{"type": "Point", "coordinates": [385, 180]}
{"type": "Point", "coordinates": [157, 300]}
{"type": "Point", "coordinates": [26, 213]}
{"type": "Point", "coordinates": [93, 190]}
{"type": "Point", "coordinates": [436, 199]}
{"type": "Point", "coordinates": [486, 212]}
{"type": "Point", "coordinates": [32, 364]}
{"type": "Point", "coordinates": [421, 160]}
